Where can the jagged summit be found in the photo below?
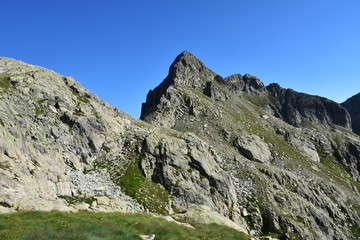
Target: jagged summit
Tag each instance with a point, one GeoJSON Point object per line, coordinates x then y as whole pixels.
{"type": "Point", "coordinates": [295, 108]}
{"type": "Point", "coordinates": [187, 59]}
{"type": "Point", "coordinates": [186, 70]}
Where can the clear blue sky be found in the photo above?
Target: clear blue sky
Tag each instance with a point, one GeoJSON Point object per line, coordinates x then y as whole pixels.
{"type": "Point", "coordinates": [120, 49]}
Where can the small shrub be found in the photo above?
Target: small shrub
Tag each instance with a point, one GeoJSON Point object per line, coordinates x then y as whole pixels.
{"type": "Point", "coordinates": [40, 108]}
{"type": "Point", "coordinates": [79, 97]}
{"type": "Point", "coordinates": [96, 165]}
{"type": "Point", "coordinates": [3, 165]}
{"type": "Point", "coordinates": [5, 85]}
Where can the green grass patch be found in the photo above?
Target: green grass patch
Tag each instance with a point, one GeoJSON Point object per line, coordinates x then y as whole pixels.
{"type": "Point", "coordinates": [331, 163]}
{"type": "Point", "coordinates": [79, 97]}
{"type": "Point", "coordinates": [260, 101]}
{"type": "Point", "coordinates": [353, 205]}
{"type": "Point", "coordinates": [3, 165]}
{"type": "Point", "coordinates": [40, 107]}
{"type": "Point", "coordinates": [297, 218]}
{"type": "Point", "coordinates": [96, 165]}
{"type": "Point", "coordinates": [77, 199]}
{"type": "Point", "coordinates": [2, 122]}
{"type": "Point", "coordinates": [143, 190]}
{"type": "Point", "coordinates": [5, 85]}
{"type": "Point", "coordinates": [106, 226]}
{"type": "Point", "coordinates": [295, 236]}
{"type": "Point", "coordinates": [306, 123]}
{"type": "Point", "coordinates": [38, 110]}
{"type": "Point", "coordinates": [79, 114]}
{"type": "Point", "coordinates": [355, 231]}
{"type": "Point", "coordinates": [335, 170]}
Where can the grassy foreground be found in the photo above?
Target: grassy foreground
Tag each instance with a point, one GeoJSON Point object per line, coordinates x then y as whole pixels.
{"type": "Point", "coordinates": [106, 226]}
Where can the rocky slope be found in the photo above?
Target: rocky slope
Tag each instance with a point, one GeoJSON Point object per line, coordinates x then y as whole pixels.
{"type": "Point", "coordinates": [264, 160]}
{"type": "Point", "coordinates": [293, 158]}
{"type": "Point", "coordinates": [63, 148]}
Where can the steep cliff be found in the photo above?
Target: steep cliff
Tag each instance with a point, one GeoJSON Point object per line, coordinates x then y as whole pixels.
{"type": "Point", "coordinates": [353, 106]}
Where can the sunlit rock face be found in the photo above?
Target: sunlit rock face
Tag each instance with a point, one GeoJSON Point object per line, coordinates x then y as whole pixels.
{"type": "Point", "coordinates": [227, 150]}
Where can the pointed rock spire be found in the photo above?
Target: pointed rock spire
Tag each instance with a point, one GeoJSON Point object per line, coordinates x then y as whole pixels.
{"type": "Point", "coordinates": [189, 70]}
{"type": "Point", "coordinates": [186, 70]}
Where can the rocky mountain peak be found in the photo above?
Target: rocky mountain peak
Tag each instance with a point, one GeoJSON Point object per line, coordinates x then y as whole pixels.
{"type": "Point", "coordinates": [188, 70]}
{"type": "Point", "coordinates": [187, 59]}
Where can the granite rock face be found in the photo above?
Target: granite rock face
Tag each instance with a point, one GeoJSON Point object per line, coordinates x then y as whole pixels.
{"type": "Point", "coordinates": [53, 134]}
{"type": "Point", "coordinates": [263, 160]}
{"type": "Point", "coordinates": [292, 157]}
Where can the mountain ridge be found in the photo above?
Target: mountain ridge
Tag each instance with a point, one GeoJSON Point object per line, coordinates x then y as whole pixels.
{"type": "Point", "coordinates": [239, 115]}
{"type": "Point", "coordinates": [213, 149]}
{"type": "Point", "coordinates": [193, 72]}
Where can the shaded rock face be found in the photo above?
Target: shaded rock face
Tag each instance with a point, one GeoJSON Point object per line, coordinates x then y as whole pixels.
{"type": "Point", "coordinates": [297, 108]}
{"type": "Point", "coordinates": [282, 149]}
{"type": "Point", "coordinates": [353, 106]}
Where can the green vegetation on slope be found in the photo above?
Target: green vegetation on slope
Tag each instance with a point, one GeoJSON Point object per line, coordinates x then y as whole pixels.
{"type": "Point", "coordinates": [337, 171]}
{"type": "Point", "coordinates": [105, 226]}
{"type": "Point", "coordinates": [143, 190]}
{"type": "Point", "coordinates": [80, 97]}
{"type": "Point", "coordinates": [5, 85]}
